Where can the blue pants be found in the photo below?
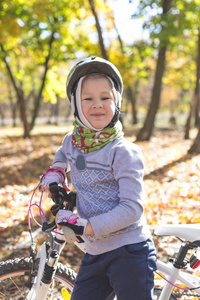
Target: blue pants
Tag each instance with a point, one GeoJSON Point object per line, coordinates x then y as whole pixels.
{"type": "Point", "coordinates": [126, 272]}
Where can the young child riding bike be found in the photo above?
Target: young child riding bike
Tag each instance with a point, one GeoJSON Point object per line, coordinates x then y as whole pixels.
{"type": "Point", "coordinates": [107, 173]}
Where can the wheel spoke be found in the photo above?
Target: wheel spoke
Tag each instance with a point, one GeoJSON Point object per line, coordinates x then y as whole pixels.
{"type": "Point", "coordinates": [14, 276]}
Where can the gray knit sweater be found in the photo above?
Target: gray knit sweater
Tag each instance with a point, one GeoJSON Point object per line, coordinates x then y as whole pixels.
{"type": "Point", "coordinates": [109, 184]}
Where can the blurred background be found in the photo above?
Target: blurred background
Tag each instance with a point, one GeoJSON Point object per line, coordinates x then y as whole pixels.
{"type": "Point", "coordinates": [154, 44]}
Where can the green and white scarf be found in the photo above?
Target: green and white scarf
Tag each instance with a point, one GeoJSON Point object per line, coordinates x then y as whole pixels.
{"type": "Point", "coordinates": [90, 140]}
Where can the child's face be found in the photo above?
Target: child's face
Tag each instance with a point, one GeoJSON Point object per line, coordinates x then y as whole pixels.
{"type": "Point", "coordinates": [97, 102]}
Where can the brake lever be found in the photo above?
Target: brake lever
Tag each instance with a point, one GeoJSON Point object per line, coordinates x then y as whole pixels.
{"type": "Point", "coordinates": [48, 226]}
{"type": "Point", "coordinates": [58, 193]}
{"type": "Point", "coordinates": [61, 197]}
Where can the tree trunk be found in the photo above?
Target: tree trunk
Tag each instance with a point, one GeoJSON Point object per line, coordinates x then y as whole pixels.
{"type": "Point", "coordinates": [197, 90]}
{"type": "Point", "coordinates": [146, 132]}
{"type": "Point", "coordinates": [20, 96]}
{"type": "Point", "coordinates": [22, 107]}
{"type": "Point", "coordinates": [131, 95]}
{"type": "Point", "coordinates": [188, 122]}
{"type": "Point", "coordinates": [56, 112]}
{"type": "Point", "coordinates": [195, 148]}
{"type": "Point", "coordinates": [194, 107]}
{"type": "Point", "coordinates": [99, 31]}
{"type": "Point", "coordinates": [2, 116]}
{"type": "Point", "coordinates": [118, 35]}
{"type": "Point", "coordinates": [190, 115]}
{"type": "Point", "coordinates": [13, 105]}
{"type": "Point", "coordinates": [39, 97]}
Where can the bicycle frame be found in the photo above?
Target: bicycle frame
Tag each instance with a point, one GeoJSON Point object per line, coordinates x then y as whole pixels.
{"type": "Point", "coordinates": [175, 274]}
{"type": "Point", "coordinates": [189, 235]}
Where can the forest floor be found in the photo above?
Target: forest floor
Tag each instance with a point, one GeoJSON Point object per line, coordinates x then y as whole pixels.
{"type": "Point", "coordinates": [172, 185]}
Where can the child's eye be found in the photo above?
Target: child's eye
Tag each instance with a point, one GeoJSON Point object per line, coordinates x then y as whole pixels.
{"type": "Point", "coordinates": [87, 99]}
{"type": "Point", "coordinates": [105, 98]}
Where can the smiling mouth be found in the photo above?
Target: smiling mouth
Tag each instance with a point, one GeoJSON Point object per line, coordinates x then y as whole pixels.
{"type": "Point", "coordinates": [97, 115]}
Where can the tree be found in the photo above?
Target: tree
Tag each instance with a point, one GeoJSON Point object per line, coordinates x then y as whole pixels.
{"type": "Point", "coordinates": [194, 107]}
{"type": "Point", "coordinates": [21, 15]}
{"type": "Point", "coordinates": [7, 97]}
{"type": "Point", "coordinates": [19, 93]}
{"type": "Point", "coordinates": [146, 131]}
{"type": "Point", "coordinates": [195, 148]}
{"type": "Point", "coordinates": [135, 65]}
{"type": "Point", "coordinates": [179, 76]}
{"type": "Point", "coordinates": [99, 30]}
{"type": "Point", "coordinates": [168, 30]}
{"type": "Point", "coordinates": [39, 36]}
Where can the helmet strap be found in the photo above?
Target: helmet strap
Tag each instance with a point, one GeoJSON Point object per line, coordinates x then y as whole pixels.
{"type": "Point", "coordinates": [115, 118]}
{"type": "Point", "coordinates": [73, 101]}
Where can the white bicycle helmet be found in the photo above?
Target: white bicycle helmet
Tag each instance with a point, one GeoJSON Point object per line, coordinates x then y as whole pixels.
{"type": "Point", "coordinates": [85, 67]}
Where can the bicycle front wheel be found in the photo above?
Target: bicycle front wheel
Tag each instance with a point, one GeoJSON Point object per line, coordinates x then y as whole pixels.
{"type": "Point", "coordinates": [14, 279]}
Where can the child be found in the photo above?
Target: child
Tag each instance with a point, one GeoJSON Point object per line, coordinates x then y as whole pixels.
{"type": "Point", "coordinates": [107, 173]}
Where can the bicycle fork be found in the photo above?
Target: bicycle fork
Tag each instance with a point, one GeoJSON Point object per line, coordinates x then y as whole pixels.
{"type": "Point", "coordinates": [47, 268]}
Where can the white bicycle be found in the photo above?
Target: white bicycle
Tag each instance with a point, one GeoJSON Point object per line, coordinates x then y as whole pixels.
{"type": "Point", "coordinates": [41, 276]}
{"type": "Point", "coordinates": [185, 284]}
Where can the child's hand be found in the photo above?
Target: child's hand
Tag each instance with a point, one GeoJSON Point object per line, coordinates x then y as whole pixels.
{"type": "Point", "coordinates": [54, 175]}
{"type": "Point", "coordinates": [68, 218]}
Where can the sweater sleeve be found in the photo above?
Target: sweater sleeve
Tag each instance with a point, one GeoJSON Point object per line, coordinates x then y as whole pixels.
{"type": "Point", "coordinates": [128, 170]}
{"type": "Point", "coordinates": [60, 159]}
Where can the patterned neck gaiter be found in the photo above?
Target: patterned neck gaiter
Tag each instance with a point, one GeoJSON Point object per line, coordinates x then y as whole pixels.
{"type": "Point", "coordinates": [90, 140]}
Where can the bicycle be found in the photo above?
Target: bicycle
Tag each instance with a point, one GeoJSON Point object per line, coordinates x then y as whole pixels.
{"type": "Point", "coordinates": [41, 276]}
{"type": "Point", "coordinates": [189, 236]}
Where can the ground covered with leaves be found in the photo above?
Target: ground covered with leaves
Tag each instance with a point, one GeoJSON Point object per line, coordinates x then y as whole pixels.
{"type": "Point", "coordinates": [172, 185]}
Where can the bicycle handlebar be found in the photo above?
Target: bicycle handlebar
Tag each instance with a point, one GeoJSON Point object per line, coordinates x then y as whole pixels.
{"type": "Point", "coordinates": [69, 234]}
{"type": "Point", "coordinates": [62, 200]}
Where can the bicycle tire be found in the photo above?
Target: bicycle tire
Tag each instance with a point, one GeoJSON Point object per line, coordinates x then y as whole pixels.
{"type": "Point", "coordinates": [14, 274]}
{"type": "Point", "coordinates": [157, 293]}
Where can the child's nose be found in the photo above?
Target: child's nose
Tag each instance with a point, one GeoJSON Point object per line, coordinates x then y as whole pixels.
{"type": "Point", "coordinates": [97, 103]}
